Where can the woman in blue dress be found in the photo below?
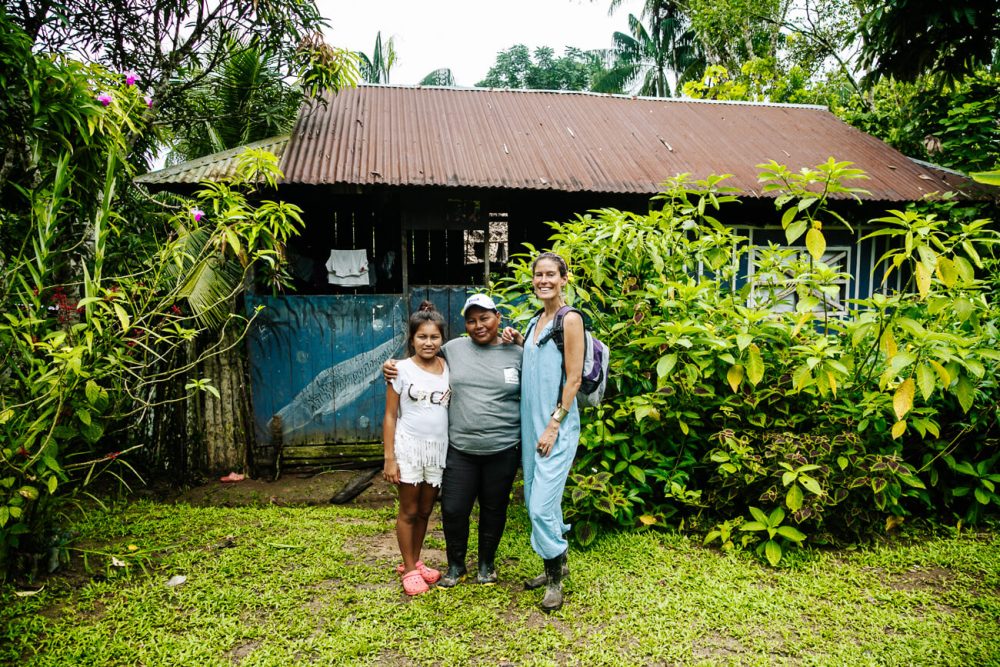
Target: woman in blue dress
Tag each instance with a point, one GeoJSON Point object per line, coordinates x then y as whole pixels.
{"type": "Point", "coordinates": [550, 420]}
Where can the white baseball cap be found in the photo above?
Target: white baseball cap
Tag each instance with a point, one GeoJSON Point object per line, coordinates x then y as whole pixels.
{"type": "Point", "coordinates": [480, 300]}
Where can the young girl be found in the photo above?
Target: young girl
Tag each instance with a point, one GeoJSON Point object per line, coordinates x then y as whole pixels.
{"type": "Point", "coordinates": [415, 437]}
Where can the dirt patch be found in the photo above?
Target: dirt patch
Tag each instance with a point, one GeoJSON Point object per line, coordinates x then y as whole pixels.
{"type": "Point", "coordinates": [289, 489]}
{"type": "Point", "coordinates": [931, 579]}
{"type": "Point", "coordinates": [243, 650]}
{"type": "Point", "coordinates": [717, 647]}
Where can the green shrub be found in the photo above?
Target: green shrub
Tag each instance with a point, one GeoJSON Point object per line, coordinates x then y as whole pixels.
{"type": "Point", "coordinates": [719, 401]}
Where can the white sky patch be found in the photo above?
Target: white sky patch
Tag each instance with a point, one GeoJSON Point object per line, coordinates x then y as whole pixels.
{"type": "Point", "coordinates": [466, 35]}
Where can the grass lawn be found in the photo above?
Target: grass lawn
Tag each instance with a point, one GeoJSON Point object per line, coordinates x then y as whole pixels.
{"type": "Point", "coordinates": [272, 585]}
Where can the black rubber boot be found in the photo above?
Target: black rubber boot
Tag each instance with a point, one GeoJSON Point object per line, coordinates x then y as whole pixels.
{"type": "Point", "coordinates": [539, 581]}
{"type": "Point", "coordinates": [553, 598]}
{"type": "Point", "coordinates": [487, 573]}
{"type": "Point", "coordinates": [456, 569]}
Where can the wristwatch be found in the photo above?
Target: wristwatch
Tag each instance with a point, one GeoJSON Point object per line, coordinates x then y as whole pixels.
{"type": "Point", "coordinates": [559, 413]}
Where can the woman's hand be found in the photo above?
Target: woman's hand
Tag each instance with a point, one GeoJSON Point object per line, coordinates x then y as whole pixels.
{"type": "Point", "coordinates": [389, 371]}
{"type": "Point", "coordinates": [512, 335]}
{"type": "Point", "coordinates": [548, 439]}
{"type": "Point", "coordinates": [390, 472]}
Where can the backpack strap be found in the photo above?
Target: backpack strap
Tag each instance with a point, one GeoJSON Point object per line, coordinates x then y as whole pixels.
{"type": "Point", "coordinates": [556, 332]}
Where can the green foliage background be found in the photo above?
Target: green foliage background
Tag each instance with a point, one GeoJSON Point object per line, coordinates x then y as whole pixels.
{"type": "Point", "coordinates": [817, 426]}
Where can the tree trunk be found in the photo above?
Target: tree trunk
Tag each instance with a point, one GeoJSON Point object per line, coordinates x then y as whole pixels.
{"type": "Point", "coordinates": [225, 424]}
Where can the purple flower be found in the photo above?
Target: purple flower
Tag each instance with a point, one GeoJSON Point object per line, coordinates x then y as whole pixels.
{"type": "Point", "coordinates": [104, 98]}
{"type": "Point", "coordinates": [131, 78]}
{"type": "Point", "coordinates": [149, 101]}
{"type": "Point", "coordinates": [198, 214]}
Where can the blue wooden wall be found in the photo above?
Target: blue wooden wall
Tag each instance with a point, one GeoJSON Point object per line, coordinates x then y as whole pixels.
{"type": "Point", "coordinates": [315, 361]}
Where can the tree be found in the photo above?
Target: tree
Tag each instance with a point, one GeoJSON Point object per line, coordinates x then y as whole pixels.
{"type": "Point", "coordinates": [655, 60]}
{"type": "Point", "coordinates": [376, 68]}
{"type": "Point", "coordinates": [439, 77]}
{"type": "Point", "coordinates": [245, 99]}
{"type": "Point", "coordinates": [172, 46]}
{"type": "Point", "coordinates": [517, 68]}
{"type": "Point", "coordinates": [906, 38]}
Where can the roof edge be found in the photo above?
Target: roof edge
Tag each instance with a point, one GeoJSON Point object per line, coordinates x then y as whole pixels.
{"type": "Point", "coordinates": [593, 94]}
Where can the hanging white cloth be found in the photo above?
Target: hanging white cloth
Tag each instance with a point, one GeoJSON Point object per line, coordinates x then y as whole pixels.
{"type": "Point", "coordinates": [348, 267]}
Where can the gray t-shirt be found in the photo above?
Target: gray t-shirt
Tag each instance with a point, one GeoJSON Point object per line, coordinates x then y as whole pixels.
{"type": "Point", "coordinates": [485, 411]}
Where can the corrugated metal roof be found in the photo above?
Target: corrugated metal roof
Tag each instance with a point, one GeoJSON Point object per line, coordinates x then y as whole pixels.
{"type": "Point", "coordinates": [573, 142]}
{"type": "Point", "coordinates": [210, 167]}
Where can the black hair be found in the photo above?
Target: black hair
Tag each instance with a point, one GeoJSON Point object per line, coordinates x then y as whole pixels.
{"type": "Point", "coordinates": [426, 312]}
{"type": "Point", "coordinates": [560, 262]}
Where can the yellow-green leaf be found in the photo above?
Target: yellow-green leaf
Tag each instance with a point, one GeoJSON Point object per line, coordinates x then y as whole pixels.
{"type": "Point", "coordinates": [898, 428]}
{"type": "Point", "coordinates": [735, 376]}
{"type": "Point", "coordinates": [902, 401]}
{"type": "Point", "coordinates": [122, 317]}
{"type": "Point", "coordinates": [755, 365]}
{"type": "Point", "coordinates": [925, 380]}
{"type": "Point", "coordinates": [794, 498]}
{"type": "Point", "coordinates": [947, 271]}
{"type": "Point", "coordinates": [923, 277]}
{"type": "Point", "coordinates": [942, 373]}
{"type": "Point", "coordinates": [815, 243]}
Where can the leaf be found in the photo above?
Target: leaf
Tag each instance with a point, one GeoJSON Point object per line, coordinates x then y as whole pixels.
{"type": "Point", "coordinates": [791, 533]}
{"type": "Point", "coordinates": [942, 373]}
{"type": "Point", "coordinates": [52, 484]}
{"type": "Point", "coordinates": [923, 277]}
{"type": "Point", "coordinates": [815, 243]}
{"type": "Point", "coordinates": [777, 516]}
{"type": "Point", "coordinates": [647, 520]}
{"type": "Point", "coordinates": [93, 392]}
{"type": "Point", "coordinates": [735, 376]}
{"type": "Point", "coordinates": [795, 230]}
{"type": "Point", "coordinates": [902, 401]}
{"type": "Point", "coordinates": [898, 428]}
{"type": "Point", "coordinates": [755, 526]}
{"type": "Point", "coordinates": [122, 317]}
{"type": "Point", "coordinates": [794, 498]}
{"type": "Point", "coordinates": [947, 272]}
{"type": "Point", "coordinates": [742, 340]}
{"type": "Point", "coordinates": [982, 496]}
{"type": "Point", "coordinates": [758, 514]}
{"type": "Point", "coordinates": [965, 392]}
{"type": "Point", "coordinates": [665, 365]}
{"type": "Point", "coordinates": [811, 484]}
{"type": "Point", "coordinates": [773, 552]}
{"type": "Point", "coordinates": [925, 380]}
{"type": "Point", "coordinates": [755, 365]}
{"type": "Point", "coordinates": [637, 473]}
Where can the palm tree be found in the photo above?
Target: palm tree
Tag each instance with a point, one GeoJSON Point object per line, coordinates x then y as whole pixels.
{"type": "Point", "coordinates": [439, 77]}
{"type": "Point", "coordinates": [649, 58]}
{"type": "Point", "coordinates": [245, 99]}
{"type": "Point", "coordinates": [376, 68]}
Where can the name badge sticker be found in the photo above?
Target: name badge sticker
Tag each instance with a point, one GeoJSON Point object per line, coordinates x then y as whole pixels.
{"type": "Point", "coordinates": [511, 376]}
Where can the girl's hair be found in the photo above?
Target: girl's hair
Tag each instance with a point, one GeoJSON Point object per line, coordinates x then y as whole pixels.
{"type": "Point", "coordinates": [560, 262]}
{"type": "Point", "coordinates": [425, 313]}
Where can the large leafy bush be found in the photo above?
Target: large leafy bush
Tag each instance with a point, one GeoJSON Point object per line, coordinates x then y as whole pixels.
{"type": "Point", "coordinates": [724, 399]}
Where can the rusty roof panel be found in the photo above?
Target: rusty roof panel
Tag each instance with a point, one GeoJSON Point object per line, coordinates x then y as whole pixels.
{"type": "Point", "coordinates": [210, 167]}
{"type": "Point", "coordinates": [543, 140]}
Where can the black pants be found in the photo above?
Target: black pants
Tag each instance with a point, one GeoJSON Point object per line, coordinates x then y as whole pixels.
{"type": "Point", "coordinates": [470, 477]}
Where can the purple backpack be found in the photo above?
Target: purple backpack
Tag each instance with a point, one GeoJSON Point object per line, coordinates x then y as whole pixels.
{"type": "Point", "coordinates": [596, 357]}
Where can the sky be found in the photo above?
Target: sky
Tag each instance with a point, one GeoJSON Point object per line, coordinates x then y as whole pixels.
{"type": "Point", "coordinates": [466, 35]}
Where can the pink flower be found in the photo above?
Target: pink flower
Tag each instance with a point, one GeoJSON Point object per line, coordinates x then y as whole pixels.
{"type": "Point", "coordinates": [198, 214]}
{"type": "Point", "coordinates": [149, 101]}
{"type": "Point", "coordinates": [104, 98]}
{"type": "Point", "coordinates": [131, 78]}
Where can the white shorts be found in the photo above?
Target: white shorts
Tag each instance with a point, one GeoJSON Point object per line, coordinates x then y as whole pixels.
{"type": "Point", "coordinates": [416, 474]}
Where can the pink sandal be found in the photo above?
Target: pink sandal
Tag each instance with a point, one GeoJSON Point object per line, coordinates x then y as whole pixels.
{"type": "Point", "coordinates": [413, 583]}
{"type": "Point", "coordinates": [430, 575]}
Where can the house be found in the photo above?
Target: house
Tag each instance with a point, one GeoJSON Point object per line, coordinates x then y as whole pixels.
{"type": "Point", "coordinates": [422, 192]}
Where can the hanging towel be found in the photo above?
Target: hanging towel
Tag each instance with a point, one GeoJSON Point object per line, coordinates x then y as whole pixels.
{"type": "Point", "coordinates": [348, 267]}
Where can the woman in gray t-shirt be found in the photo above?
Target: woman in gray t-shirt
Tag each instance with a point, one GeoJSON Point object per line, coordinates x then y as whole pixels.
{"type": "Point", "coordinates": [484, 437]}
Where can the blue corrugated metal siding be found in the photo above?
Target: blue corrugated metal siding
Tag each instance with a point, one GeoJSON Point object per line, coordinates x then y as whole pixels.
{"type": "Point", "coordinates": [315, 362]}
{"type": "Point", "coordinates": [315, 365]}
